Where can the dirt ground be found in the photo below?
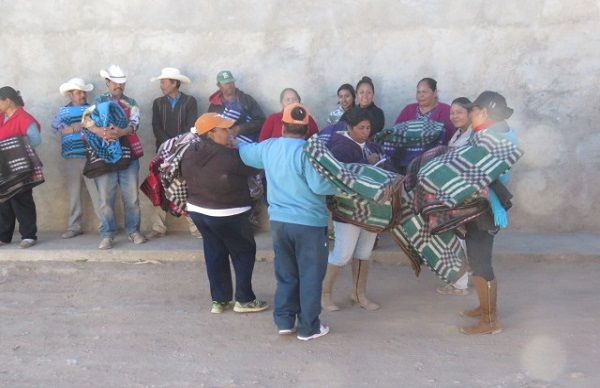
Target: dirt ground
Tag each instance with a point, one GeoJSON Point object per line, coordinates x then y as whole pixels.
{"type": "Point", "coordinates": [148, 325]}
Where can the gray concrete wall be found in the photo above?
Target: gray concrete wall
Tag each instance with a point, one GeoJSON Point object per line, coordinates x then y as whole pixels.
{"type": "Point", "coordinates": [543, 55]}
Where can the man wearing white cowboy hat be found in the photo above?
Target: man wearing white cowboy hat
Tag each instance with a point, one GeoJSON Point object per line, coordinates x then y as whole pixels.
{"type": "Point", "coordinates": [67, 123]}
{"type": "Point", "coordinates": [172, 114]}
{"type": "Point", "coordinates": [127, 180]}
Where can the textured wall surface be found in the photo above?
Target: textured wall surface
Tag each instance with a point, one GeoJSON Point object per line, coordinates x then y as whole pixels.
{"type": "Point", "coordinates": [544, 56]}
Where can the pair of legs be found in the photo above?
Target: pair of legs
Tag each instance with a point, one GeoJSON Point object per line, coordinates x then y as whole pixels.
{"type": "Point", "coordinates": [300, 264]}
{"type": "Point", "coordinates": [19, 207]}
{"type": "Point", "coordinates": [73, 168]}
{"type": "Point", "coordinates": [225, 237]}
{"type": "Point", "coordinates": [351, 242]}
{"type": "Point", "coordinates": [480, 243]}
{"type": "Point", "coordinates": [127, 182]}
{"type": "Point", "coordinates": [159, 223]}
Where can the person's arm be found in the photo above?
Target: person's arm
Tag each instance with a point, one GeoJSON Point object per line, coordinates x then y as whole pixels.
{"type": "Point", "coordinates": [316, 182]}
{"type": "Point", "coordinates": [159, 133]}
{"type": "Point", "coordinates": [251, 154]}
{"type": "Point", "coordinates": [266, 132]}
{"type": "Point", "coordinates": [191, 114]}
{"type": "Point", "coordinates": [33, 134]}
{"type": "Point", "coordinates": [257, 118]}
{"type": "Point", "coordinates": [57, 124]}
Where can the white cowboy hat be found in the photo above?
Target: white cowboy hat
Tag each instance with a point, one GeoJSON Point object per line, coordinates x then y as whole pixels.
{"type": "Point", "coordinates": [75, 84]}
{"type": "Point", "coordinates": [115, 74]}
{"type": "Point", "coordinates": [172, 73]}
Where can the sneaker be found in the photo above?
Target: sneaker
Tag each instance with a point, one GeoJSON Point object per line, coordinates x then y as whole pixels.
{"type": "Point", "coordinates": [323, 330]}
{"type": "Point", "coordinates": [254, 306]}
{"type": "Point", "coordinates": [137, 238]}
{"type": "Point", "coordinates": [71, 233]}
{"type": "Point", "coordinates": [154, 234]}
{"type": "Point", "coordinates": [27, 243]}
{"type": "Point", "coordinates": [218, 307]}
{"type": "Point", "coordinates": [286, 331]}
{"type": "Point", "coordinates": [106, 243]}
{"type": "Point", "coordinates": [449, 289]}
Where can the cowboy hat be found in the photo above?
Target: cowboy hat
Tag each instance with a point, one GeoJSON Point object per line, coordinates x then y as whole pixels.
{"type": "Point", "coordinates": [172, 73]}
{"type": "Point", "coordinates": [115, 74]}
{"type": "Point", "coordinates": [75, 84]}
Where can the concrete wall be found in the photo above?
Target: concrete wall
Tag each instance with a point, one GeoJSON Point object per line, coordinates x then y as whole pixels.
{"type": "Point", "coordinates": [543, 55]}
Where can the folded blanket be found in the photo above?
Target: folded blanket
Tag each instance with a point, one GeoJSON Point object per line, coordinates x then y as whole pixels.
{"type": "Point", "coordinates": [464, 171]}
{"type": "Point", "coordinates": [105, 114]}
{"type": "Point", "coordinates": [21, 168]}
{"type": "Point", "coordinates": [410, 134]}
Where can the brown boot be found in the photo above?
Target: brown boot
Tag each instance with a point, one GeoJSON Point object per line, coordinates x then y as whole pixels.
{"type": "Point", "coordinates": [488, 319]}
{"type": "Point", "coordinates": [330, 276]}
{"type": "Point", "coordinates": [360, 273]}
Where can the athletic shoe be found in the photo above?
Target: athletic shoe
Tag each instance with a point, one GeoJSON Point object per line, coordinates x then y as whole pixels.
{"type": "Point", "coordinates": [254, 306]}
{"type": "Point", "coordinates": [71, 233]}
{"type": "Point", "coordinates": [286, 331]}
{"type": "Point", "coordinates": [219, 307]}
{"type": "Point", "coordinates": [323, 330]}
{"type": "Point", "coordinates": [137, 238]}
{"type": "Point", "coordinates": [27, 243]}
{"type": "Point", "coordinates": [106, 243]}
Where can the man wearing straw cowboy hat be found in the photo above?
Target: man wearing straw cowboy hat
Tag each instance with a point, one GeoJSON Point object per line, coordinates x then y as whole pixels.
{"type": "Point", "coordinates": [67, 123]}
{"type": "Point", "coordinates": [172, 114]}
{"type": "Point", "coordinates": [127, 180]}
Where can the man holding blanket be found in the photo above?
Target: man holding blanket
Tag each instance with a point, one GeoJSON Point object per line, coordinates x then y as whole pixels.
{"type": "Point", "coordinates": [298, 217]}
{"type": "Point", "coordinates": [67, 124]}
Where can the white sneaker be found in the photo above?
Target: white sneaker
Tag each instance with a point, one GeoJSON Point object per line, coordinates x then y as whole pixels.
{"type": "Point", "coordinates": [286, 331]}
{"type": "Point", "coordinates": [106, 243]}
{"type": "Point", "coordinates": [27, 243]}
{"type": "Point", "coordinates": [323, 330]}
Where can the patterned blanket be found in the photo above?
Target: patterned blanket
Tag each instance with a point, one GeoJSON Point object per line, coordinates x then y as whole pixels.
{"type": "Point", "coordinates": [20, 167]}
{"type": "Point", "coordinates": [72, 144]}
{"type": "Point", "coordinates": [410, 134]}
{"type": "Point", "coordinates": [105, 114]}
{"type": "Point", "coordinates": [464, 171]}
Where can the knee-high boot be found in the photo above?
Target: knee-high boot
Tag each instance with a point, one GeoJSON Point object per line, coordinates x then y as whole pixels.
{"type": "Point", "coordinates": [360, 273]}
{"type": "Point", "coordinates": [488, 317]}
{"type": "Point", "coordinates": [330, 276]}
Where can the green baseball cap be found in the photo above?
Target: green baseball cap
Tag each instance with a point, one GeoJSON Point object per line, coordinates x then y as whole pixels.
{"type": "Point", "coordinates": [225, 77]}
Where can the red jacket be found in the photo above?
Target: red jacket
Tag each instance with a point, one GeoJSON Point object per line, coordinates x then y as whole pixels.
{"type": "Point", "coordinates": [273, 127]}
{"type": "Point", "coordinates": [17, 124]}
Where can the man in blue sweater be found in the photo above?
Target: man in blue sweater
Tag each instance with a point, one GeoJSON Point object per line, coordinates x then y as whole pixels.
{"type": "Point", "coordinates": [298, 215]}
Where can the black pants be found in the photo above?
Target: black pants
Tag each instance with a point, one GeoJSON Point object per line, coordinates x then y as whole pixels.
{"type": "Point", "coordinates": [479, 250]}
{"type": "Point", "coordinates": [19, 208]}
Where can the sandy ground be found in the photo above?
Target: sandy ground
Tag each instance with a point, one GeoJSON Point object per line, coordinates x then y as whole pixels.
{"type": "Point", "coordinates": [148, 325]}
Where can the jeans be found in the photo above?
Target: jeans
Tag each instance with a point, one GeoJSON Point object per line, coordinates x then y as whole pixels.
{"type": "Point", "coordinates": [300, 265]}
{"type": "Point", "coordinates": [128, 182]}
{"type": "Point", "coordinates": [73, 168]}
{"type": "Point", "coordinates": [22, 208]}
{"type": "Point", "coordinates": [225, 237]}
{"type": "Point", "coordinates": [479, 251]}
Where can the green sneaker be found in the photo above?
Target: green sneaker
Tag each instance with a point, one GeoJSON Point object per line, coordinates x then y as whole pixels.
{"type": "Point", "coordinates": [254, 306]}
{"type": "Point", "coordinates": [218, 307]}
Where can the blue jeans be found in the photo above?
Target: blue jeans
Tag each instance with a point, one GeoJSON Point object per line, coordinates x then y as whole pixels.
{"type": "Point", "coordinates": [225, 237]}
{"type": "Point", "coordinates": [128, 182]}
{"type": "Point", "coordinates": [300, 265]}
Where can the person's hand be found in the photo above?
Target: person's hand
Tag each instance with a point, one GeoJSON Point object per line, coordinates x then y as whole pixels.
{"type": "Point", "coordinates": [113, 133]}
{"type": "Point", "coordinates": [373, 158]}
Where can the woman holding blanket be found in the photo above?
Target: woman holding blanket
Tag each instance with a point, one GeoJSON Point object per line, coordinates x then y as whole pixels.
{"type": "Point", "coordinates": [15, 122]}
{"type": "Point", "coordinates": [219, 204]}
{"type": "Point", "coordinates": [428, 107]}
{"type": "Point", "coordinates": [488, 113]}
{"type": "Point", "coordinates": [351, 242]}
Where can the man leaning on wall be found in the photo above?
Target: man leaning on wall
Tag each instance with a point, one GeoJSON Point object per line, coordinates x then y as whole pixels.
{"type": "Point", "coordinates": [172, 115]}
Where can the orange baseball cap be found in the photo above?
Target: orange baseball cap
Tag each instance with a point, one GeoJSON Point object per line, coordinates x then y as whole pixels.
{"type": "Point", "coordinates": [291, 115]}
{"type": "Point", "coordinates": [212, 120]}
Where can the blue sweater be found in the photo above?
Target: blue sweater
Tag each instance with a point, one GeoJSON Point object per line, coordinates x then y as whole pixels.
{"type": "Point", "coordinates": [296, 191]}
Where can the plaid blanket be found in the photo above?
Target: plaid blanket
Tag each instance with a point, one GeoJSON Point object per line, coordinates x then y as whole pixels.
{"type": "Point", "coordinates": [20, 167]}
{"type": "Point", "coordinates": [464, 171]}
{"type": "Point", "coordinates": [410, 134]}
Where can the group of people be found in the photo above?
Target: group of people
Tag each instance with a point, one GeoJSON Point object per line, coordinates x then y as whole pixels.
{"type": "Point", "coordinates": [233, 142]}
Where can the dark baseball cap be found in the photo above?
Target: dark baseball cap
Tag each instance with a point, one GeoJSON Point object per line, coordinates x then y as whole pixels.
{"type": "Point", "coordinates": [494, 102]}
